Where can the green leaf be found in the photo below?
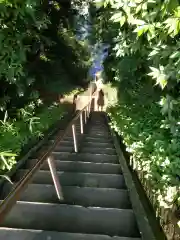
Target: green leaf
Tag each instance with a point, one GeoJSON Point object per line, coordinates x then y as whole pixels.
{"type": "Point", "coordinates": [7, 178]}
{"type": "Point", "coordinates": [173, 4]}
{"type": "Point", "coordinates": [175, 54]}
{"type": "Point", "coordinates": [177, 12]}
{"type": "Point", "coordinates": [122, 21]}
{"type": "Point", "coordinates": [116, 17]}
{"type": "Point", "coordinates": [154, 52]}
{"type": "Point", "coordinates": [173, 26]}
{"type": "Point", "coordinates": [162, 81]}
{"type": "Point", "coordinates": [155, 72]}
{"type": "Point", "coordinates": [138, 9]}
{"type": "Point", "coordinates": [7, 154]}
{"type": "Point", "coordinates": [10, 74]}
{"type": "Point", "coordinates": [138, 22]}
{"type": "Point", "coordinates": [141, 30]}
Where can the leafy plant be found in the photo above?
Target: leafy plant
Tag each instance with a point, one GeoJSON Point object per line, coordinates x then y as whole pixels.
{"type": "Point", "coordinates": [15, 134]}
{"type": "Point", "coordinates": [39, 53]}
{"type": "Point", "coordinates": [144, 66]}
{"type": "Point", "coordinates": [38, 47]}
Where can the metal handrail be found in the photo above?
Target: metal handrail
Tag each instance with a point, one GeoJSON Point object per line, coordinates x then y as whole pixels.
{"type": "Point", "coordinates": [14, 195]}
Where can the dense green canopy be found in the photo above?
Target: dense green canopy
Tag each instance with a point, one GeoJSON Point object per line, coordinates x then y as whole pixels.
{"type": "Point", "coordinates": [37, 48]}
{"type": "Point", "coordinates": [144, 66]}
{"type": "Point", "coordinates": [40, 56]}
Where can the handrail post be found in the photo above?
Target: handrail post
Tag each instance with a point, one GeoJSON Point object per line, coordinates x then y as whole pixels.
{"type": "Point", "coordinates": [86, 110]}
{"type": "Point", "coordinates": [81, 122]}
{"type": "Point", "coordinates": [89, 108]}
{"type": "Point", "coordinates": [74, 137]}
{"type": "Point", "coordinates": [85, 117]}
{"type": "Point", "coordinates": [55, 178]}
{"type": "Point", "coordinates": [89, 105]}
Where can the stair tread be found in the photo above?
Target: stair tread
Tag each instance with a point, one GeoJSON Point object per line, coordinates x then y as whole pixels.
{"type": "Point", "coordinates": [98, 135]}
{"type": "Point", "coordinates": [108, 144]}
{"type": "Point", "coordinates": [31, 234]}
{"type": "Point", "coordinates": [106, 148]}
{"type": "Point", "coordinates": [87, 157]}
{"type": "Point", "coordinates": [95, 132]}
{"type": "Point", "coordinates": [69, 218]}
{"type": "Point", "coordinates": [85, 196]}
{"type": "Point", "coordinates": [94, 149]}
{"type": "Point", "coordinates": [78, 179]}
{"type": "Point", "coordinates": [108, 151]}
{"type": "Point", "coordinates": [93, 138]}
{"type": "Point", "coordinates": [79, 166]}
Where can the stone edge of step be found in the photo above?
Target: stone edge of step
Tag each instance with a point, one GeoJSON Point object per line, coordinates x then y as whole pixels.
{"type": "Point", "coordinates": [61, 165]}
{"type": "Point", "coordinates": [50, 234]}
{"type": "Point", "coordinates": [64, 211]}
{"type": "Point", "coordinates": [83, 162]}
{"type": "Point", "coordinates": [78, 173]}
{"type": "Point", "coordinates": [80, 196]}
{"type": "Point", "coordinates": [139, 211]}
{"type": "Point", "coordinates": [93, 208]}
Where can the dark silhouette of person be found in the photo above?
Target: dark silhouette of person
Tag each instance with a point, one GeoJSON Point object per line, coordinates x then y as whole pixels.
{"type": "Point", "coordinates": [75, 102]}
{"type": "Point", "coordinates": [75, 98]}
{"type": "Point", "coordinates": [100, 101]}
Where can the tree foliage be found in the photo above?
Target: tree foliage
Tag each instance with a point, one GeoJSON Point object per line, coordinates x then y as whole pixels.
{"type": "Point", "coordinates": [39, 52]}
{"type": "Point", "coordinates": [37, 47]}
{"type": "Point", "coordinates": [144, 65]}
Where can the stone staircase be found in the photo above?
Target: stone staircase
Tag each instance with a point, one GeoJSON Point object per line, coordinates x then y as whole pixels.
{"type": "Point", "coordinates": [96, 203]}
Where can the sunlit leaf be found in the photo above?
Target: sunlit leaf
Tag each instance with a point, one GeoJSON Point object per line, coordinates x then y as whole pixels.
{"type": "Point", "coordinates": [139, 22]}
{"type": "Point", "coordinates": [7, 178]}
{"type": "Point", "coordinates": [141, 30]}
{"type": "Point", "coordinates": [122, 21]}
{"type": "Point", "coordinates": [175, 55]}
{"type": "Point", "coordinates": [162, 81]}
{"type": "Point", "coordinates": [154, 52]}
{"type": "Point", "coordinates": [116, 17]}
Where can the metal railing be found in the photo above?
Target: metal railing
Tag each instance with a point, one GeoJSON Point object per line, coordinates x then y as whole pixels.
{"type": "Point", "coordinates": [14, 195]}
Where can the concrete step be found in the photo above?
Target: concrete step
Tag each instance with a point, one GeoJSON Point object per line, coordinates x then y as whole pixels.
{"type": "Point", "coordinates": [72, 219]}
{"type": "Point", "coordinates": [97, 144]}
{"type": "Point", "coordinates": [109, 151]}
{"type": "Point", "coordinates": [64, 148]}
{"type": "Point", "coordinates": [98, 129]}
{"type": "Point", "coordinates": [29, 234]}
{"type": "Point", "coordinates": [68, 136]}
{"type": "Point", "coordinates": [68, 133]}
{"type": "Point", "coordinates": [64, 142]}
{"type": "Point", "coordinates": [77, 179]}
{"type": "Point", "coordinates": [92, 131]}
{"type": "Point", "coordinates": [75, 166]}
{"type": "Point", "coordinates": [86, 157]}
{"type": "Point", "coordinates": [97, 139]}
{"type": "Point", "coordinates": [97, 118]}
{"type": "Point", "coordinates": [98, 134]}
{"type": "Point", "coordinates": [97, 124]}
{"type": "Point", "coordinates": [94, 197]}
